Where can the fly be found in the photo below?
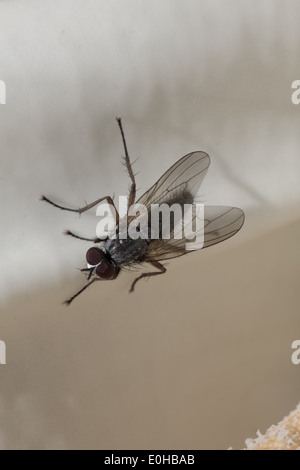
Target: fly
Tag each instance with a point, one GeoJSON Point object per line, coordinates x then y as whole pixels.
{"type": "Point", "coordinates": [178, 185]}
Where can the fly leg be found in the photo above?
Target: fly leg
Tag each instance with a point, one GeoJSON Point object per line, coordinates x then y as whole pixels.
{"type": "Point", "coordinates": [132, 191]}
{"type": "Point", "coordinates": [157, 265]}
{"type": "Point", "coordinates": [94, 240]}
{"type": "Point", "coordinates": [85, 208]}
{"type": "Point", "coordinates": [67, 302]}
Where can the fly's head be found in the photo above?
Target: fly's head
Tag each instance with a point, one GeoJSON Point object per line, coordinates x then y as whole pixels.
{"type": "Point", "coordinates": [98, 263]}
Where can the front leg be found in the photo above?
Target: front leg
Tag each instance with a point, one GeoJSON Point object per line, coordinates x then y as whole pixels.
{"type": "Point", "coordinates": [85, 208]}
{"type": "Point", "coordinates": [94, 240]}
{"type": "Point", "coordinates": [67, 302]}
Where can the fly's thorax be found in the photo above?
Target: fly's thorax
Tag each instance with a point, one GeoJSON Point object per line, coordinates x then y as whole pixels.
{"type": "Point", "coordinates": [127, 250]}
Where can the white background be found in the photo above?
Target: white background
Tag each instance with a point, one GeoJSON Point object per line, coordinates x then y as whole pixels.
{"type": "Point", "coordinates": [199, 358]}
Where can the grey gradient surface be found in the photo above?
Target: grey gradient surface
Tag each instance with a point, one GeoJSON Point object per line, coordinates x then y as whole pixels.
{"type": "Point", "coordinates": [199, 357]}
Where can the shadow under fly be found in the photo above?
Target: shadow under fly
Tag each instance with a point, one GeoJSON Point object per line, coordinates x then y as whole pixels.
{"type": "Point", "coordinates": [177, 186]}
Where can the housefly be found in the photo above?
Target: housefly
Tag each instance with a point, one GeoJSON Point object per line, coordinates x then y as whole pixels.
{"type": "Point", "coordinates": [179, 185]}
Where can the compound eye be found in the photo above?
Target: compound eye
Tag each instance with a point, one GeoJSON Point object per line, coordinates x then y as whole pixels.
{"type": "Point", "coordinates": [106, 270]}
{"type": "Point", "coordinates": [94, 256]}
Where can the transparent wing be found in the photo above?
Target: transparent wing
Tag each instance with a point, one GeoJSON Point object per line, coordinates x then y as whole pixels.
{"type": "Point", "coordinates": [220, 223]}
{"type": "Point", "coordinates": [182, 179]}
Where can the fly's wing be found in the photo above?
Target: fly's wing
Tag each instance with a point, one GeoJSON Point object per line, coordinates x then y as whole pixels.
{"type": "Point", "coordinates": [181, 181]}
{"type": "Point", "coordinates": [217, 224]}
{"type": "Point", "coordinates": [221, 222]}
{"type": "Point", "coordinates": [179, 185]}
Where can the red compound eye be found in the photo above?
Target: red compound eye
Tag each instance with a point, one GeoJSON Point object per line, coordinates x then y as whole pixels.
{"type": "Point", "coordinates": [94, 256]}
{"type": "Point", "coordinates": [106, 270]}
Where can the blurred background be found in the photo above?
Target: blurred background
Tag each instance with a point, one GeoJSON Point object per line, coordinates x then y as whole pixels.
{"type": "Point", "coordinates": [199, 358]}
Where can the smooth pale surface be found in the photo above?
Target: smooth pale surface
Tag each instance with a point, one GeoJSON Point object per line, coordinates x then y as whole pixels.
{"type": "Point", "coordinates": [201, 356]}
